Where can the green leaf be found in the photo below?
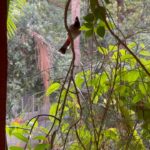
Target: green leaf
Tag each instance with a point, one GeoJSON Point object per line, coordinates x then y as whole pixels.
{"type": "Point", "coordinates": [122, 52]}
{"type": "Point", "coordinates": [15, 9]}
{"type": "Point", "coordinates": [111, 133]}
{"type": "Point", "coordinates": [53, 87]}
{"type": "Point", "coordinates": [88, 33]}
{"type": "Point", "coordinates": [9, 130]}
{"type": "Point", "coordinates": [84, 135]}
{"type": "Point", "coordinates": [144, 53]}
{"type": "Point", "coordinates": [145, 62]}
{"type": "Point", "coordinates": [100, 13]}
{"type": "Point", "coordinates": [45, 130]}
{"type": "Point", "coordinates": [131, 76]}
{"type": "Point", "coordinates": [143, 88]}
{"type": "Point", "coordinates": [15, 148]}
{"type": "Point", "coordinates": [53, 109]}
{"type": "Point", "coordinates": [142, 45]}
{"type": "Point", "coordinates": [136, 99]}
{"type": "Point", "coordinates": [41, 146]}
{"type": "Point", "coordinates": [64, 127]}
{"type": "Point", "coordinates": [113, 47]}
{"type": "Point", "coordinates": [103, 50]}
{"type": "Point", "coordinates": [132, 45]}
{"type": "Point", "coordinates": [100, 30]}
{"type": "Point", "coordinates": [86, 27]}
{"type": "Point", "coordinates": [39, 137]}
{"type": "Point", "coordinates": [63, 94]}
{"type": "Point", "coordinates": [20, 136]}
{"type": "Point", "coordinates": [122, 90]}
{"type": "Point", "coordinates": [126, 57]}
{"type": "Point", "coordinates": [72, 95]}
{"type": "Point", "coordinates": [115, 55]}
{"type": "Point", "coordinates": [96, 98]}
{"type": "Point", "coordinates": [89, 17]}
{"type": "Point", "coordinates": [79, 79]}
{"type": "Point", "coordinates": [33, 122]}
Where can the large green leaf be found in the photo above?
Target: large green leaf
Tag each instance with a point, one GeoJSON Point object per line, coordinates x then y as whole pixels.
{"type": "Point", "coordinates": [53, 87]}
{"type": "Point", "coordinates": [145, 53]}
{"type": "Point", "coordinates": [143, 88]}
{"type": "Point", "coordinates": [79, 79]}
{"type": "Point", "coordinates": [41, 146]}
{"type": "Point", "coordinates": [20, 136]}
{"type": "Point", "coordinates": [100, 30]}
{"type": "Point", "coordinates": [15, 148]}
{"type": "Point", "coordinates": [131, 76]}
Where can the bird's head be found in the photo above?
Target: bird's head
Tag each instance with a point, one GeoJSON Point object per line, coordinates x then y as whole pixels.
{"type": "Point", "coordinates": [77, 22]}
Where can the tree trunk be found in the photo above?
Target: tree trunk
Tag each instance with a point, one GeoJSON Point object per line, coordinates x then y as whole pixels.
{"type": "Point", "coordinates": [75, 11]}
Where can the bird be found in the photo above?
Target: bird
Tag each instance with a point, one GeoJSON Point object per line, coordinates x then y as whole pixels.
{"type": "Point", "coordinates": [75, 32]}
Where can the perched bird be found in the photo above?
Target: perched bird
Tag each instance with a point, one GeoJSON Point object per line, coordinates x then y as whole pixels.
{"type": "Point", "coordinates": [75, 31]}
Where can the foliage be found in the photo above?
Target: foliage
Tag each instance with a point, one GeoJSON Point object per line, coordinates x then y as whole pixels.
{"type": "Point", "coordinates": [105, 105]}
{"type": "Point", "coordinates": [22, 54]}
{"type": "Point", "coordinates": [14, 11]}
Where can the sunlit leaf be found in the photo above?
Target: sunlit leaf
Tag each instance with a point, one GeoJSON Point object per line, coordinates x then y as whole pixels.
{"type": "Point", "coordinates": [15, 148]}
{"type": "Point", "coordinates": [145, 62]}
{"type": "Point", "coordinates": [144, 53]}
{"type": "Point", "coordinates": [132, 45]}
{"type": "Point", "coordinates": [41, 146]}
{"type": "Point", "coordinates": [96, 98]}
{"type": "Point", "coordinates": [86, 27]}
{"type": "Point", "coordinates": [126, 57]}
{"type": "Point", "coordinates": [63, 94]}
{"type": "Point", "coordinates": [84, 135]}
{"type": "Point", "coordinates": [142, 45]}
{"type": "Point", "coordinates": [136, 99]}
{"type": "Point", "coordinates": [143, 88]}
{"type": "Point", "coordinates": [20, 136]}
{"type": "Point", "coordinates": [115, 55]}
{"type": "Point", "coordinates": [112, 47]}
{"type": "Point", "coordinates": [79, 79]}
{"type": "Point", "coordinates": [9, 130]}
{"type": "Point", "coordinates": [32, 122]}
{"type": "Point", "coordinates": [65, 127]}
{"type": "Point", "coordinates": [39, 137]}
{"type": "Point", "coordinates": [131, 76]}
{"type": "Point", "coordinates": [53, 108]}
{"type": "Point", "coordinates": [53, 87]}
{"type": "Point", "coordinates": [111, 133]}
{"type": "Point", "coordinates": [103, 50]}
{"type": "Point", "coordinates": [122, 52]}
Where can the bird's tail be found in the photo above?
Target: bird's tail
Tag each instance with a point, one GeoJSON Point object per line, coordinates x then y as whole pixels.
{"type": "Point", "coordinates": [65, 46]}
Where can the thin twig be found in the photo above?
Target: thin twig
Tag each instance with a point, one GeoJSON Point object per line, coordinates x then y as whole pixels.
{"type": "Point", "coordinates": [29, 136]}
